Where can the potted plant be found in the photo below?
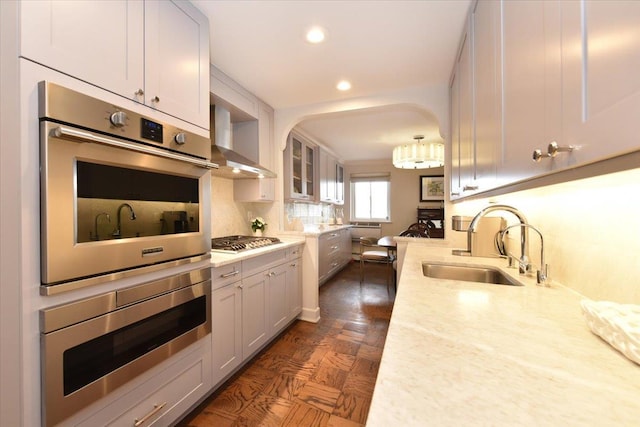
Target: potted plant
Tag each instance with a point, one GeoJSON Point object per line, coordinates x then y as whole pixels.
{"type": "Point", "coordinates": [258, 225]}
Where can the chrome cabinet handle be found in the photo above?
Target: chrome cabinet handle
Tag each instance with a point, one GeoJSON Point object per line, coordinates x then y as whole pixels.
{"type": "Point", "coordinates": [155, 410]}
{"type": "Point", "coordinates": [139, 92]}
{"type": "Point", "coordinates": [84, 136]}
{"type": "Point", "coordinates": [554, 149]}
{"type": "Point", "coordinates": [233, 273]}
{"type": "Point", "coordinates": [469, 187]}
{"type": "Point", "coordinates": [155, 99]}
{"type": "Point", "coordinates": [538, 155]}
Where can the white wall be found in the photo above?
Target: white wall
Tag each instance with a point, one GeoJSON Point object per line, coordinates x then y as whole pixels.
{"type": "Point", "coordinates": [591, 229]}
{"type": "Point", "coordinates": [405, 192]}
{"type": "Point", "coordinates": [11, 389]}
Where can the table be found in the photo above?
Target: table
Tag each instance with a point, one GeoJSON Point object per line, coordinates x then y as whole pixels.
{"type": "Point", "coordinates": [387, 242]}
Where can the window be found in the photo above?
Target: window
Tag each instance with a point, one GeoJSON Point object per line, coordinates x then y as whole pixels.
{"type": "Point", "coordinates": [370, 197]}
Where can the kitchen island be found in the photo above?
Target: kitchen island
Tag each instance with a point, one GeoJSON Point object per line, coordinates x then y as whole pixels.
{"type": "Point", "coordinates": [463, 353]}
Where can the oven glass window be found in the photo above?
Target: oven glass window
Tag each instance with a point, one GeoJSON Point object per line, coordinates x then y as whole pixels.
{"type": "Point", "coordinates": [94, 359]}
{"type": "Point", "coordinates": [118, 203]}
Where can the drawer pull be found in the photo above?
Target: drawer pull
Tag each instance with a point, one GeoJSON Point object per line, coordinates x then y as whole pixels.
{"type": "Point", "coordinates": [233, 273]}
{"type": "Point", "coordinates": [155, 410]}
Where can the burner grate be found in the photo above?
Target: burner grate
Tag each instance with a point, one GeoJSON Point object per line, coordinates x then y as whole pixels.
{"type": "Point", "coordinates": [239, 243]}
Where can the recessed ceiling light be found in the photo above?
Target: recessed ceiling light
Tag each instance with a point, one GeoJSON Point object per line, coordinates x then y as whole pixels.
{"type": "Point", "coordinates": [343, 85]}
{"type": "Point", "coordinates": [315, 35]}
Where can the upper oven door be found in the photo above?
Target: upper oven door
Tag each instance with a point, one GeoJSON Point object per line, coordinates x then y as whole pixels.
{"type": "Point", "coordinates": [108, 205]}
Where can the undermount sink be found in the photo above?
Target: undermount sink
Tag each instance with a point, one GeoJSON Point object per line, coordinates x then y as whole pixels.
{"type": "Point", "coordinates": [467, 273]}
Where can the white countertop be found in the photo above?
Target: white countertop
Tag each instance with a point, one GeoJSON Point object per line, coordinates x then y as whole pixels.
{"type": "Point", "coordinates": [315, 229]}
{"type": "Point", "coordinates": [219, 259]}
{"type": "Point", "coordinates": [462, 353]}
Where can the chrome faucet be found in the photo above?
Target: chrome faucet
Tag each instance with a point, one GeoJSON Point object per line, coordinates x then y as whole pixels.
{"type": "Point", "coordinates": [523, 237]}
{"type": "Point", "coordinates": [543, 273]}
{"type": "Point", "coordinates": [117, 233]}
{"type": "Point", "coordinates": [95, 226]}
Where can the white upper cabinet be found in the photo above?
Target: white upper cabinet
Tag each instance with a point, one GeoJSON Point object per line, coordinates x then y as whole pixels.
{"type": "Point", "coordinates": [533, 74]}
{"type": "Point", "coordinates": [100, 42]}
{"type": "Point", "coordinates": [153, 52]}
{"type": "Point", "coordinates": [531, 85]}
{"type": "Point", "coordinates": [461, 92]}
{"type": "Point", "coordinates": [487, 92]}
{"type": "Point", "coordinates": [601, 81]}
{"type": "Point", "coordinates": [177, 60]}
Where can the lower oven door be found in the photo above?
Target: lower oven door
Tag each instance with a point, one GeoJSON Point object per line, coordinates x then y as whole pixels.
{"type": "Point", "coordinates": [106, 208]}
{"type": "Point", "coordinates": [85, 361]}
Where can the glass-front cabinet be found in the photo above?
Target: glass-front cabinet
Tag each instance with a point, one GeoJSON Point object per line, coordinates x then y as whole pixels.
{"type": "Point", "coordinates": [300, 161]}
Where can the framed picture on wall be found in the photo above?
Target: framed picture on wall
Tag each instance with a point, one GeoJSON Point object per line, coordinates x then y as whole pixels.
{"type": "Point", "coordinates": [431, 187]}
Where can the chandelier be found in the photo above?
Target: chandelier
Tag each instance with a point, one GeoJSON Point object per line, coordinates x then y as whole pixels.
{"type": "Point", "coordinates": [419, 155]}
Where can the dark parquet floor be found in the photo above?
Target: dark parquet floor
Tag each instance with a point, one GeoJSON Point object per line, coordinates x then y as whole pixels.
{"type": "Point", "coordinates": [320, 374]}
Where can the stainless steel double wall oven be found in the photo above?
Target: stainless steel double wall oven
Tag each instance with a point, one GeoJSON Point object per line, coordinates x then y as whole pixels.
{"type": "Point", "coordinates": [121, 195]}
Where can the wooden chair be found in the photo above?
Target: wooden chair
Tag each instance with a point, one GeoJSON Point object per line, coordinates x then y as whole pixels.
{"type": "Point", "coordinates": [368, 254]}
{"type": "Point", "coordinates": [419, 229]}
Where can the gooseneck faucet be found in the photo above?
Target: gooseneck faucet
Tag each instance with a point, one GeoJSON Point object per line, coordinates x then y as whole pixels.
{"type": "Point", "coordinates": [117, 233]}
{"type": "Point", "coordinates": [543, 273]}
{"type": "Point", "coordinates": [95, 225]}
{"type": "Point", "coordinates": [506, 208]}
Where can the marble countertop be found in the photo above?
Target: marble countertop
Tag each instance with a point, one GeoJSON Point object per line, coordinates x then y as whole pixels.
{"type": "Point", "coordinates": [316, 229]}
{"type": "Point", "coordinates": [218, 259]}
{"type": "Point", "coordinates": [462, 353]}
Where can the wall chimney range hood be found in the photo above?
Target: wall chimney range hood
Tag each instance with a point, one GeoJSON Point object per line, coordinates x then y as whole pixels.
{"type": "Point", "coordinates": [231, 163]}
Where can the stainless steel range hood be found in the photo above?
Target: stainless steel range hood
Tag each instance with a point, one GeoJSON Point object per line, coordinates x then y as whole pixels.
{"type": "Point", "coordinates": [231, 164]}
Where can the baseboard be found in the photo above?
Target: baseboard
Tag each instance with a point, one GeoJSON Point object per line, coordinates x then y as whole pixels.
{"type": "Point", "coordinates": [310, 315]}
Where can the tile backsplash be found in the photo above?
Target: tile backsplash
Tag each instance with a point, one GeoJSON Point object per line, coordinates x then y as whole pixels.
{"type": "Point", "coordinates": [591, 231]}
{"type": "Point", "coordinates": [229, 217]}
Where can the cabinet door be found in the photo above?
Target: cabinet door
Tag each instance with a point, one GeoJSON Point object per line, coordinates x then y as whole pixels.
{"type": "Point", "coordinates": [339, 184]}
{"type": "Point", "coordinates": [601, 88]}
{"type": "Point", "coordinates": [454, 114]}
{"type": "Point", "coordinates": [255, 330]}
{"type": "Point", "coordinates": [226, 330]}
{"type": "Point", "coordinates": [100, 42]}
{"type": "Point", "coordinates": [300, 162]}
{"type": "Point", "coordinates": [531, 85]}
{"type": "Point", "coordinates": [177, 60]}
{"type": "Point", "coordinates": [487, 92]}
{"type": "Point", "coordinates": [327, 177]}
{"type": "Point", "coordinates": [265, 137]}
{"type": "Point", "coordinates": [465, 114]}
{"type": "Point", "coordinates": [278, 302]}
{"type": "Point", "coordinates": [294, 288]}
{"type": "Point", "coordinates": [254, 190]}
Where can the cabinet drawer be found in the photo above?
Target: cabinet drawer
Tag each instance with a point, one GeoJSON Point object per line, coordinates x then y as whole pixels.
{"type": "Point", "coordinates": [163, 398]}
{"type": "Point", "coordinates": [294, 252]}
{"type": "Point", "coordinates": [260, 263]}
{"type": "Point", "coordinates": [155, 408]}
{"type": "Point", "coordinates": [225, 274]}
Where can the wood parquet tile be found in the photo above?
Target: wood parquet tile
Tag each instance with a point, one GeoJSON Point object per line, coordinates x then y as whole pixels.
{"type": "Point", "coordinates": [320, 374]}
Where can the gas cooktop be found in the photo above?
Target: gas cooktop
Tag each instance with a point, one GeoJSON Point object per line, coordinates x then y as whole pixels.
{"type": "Point", "coordinates": [235, 244]}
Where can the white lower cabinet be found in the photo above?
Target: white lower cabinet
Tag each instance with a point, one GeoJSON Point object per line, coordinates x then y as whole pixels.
{"type": "Point", "coordinates": [334, 252]}
{"type": "Point", "coordinates": [254, 313]}
{"type": "Point", "coordinates": [226, 329]}
{"type": "Point", "coordinates": [252, 302]}
{"type": "Point", "coordinates": [277, 300]}
{"type": "Point", "coordinates": [163, 399]}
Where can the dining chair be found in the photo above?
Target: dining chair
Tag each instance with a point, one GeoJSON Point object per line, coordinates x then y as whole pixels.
{"type": "Point", "coordinates": [419, 229]}
{"type": "Point", "coordinates": [381, 256]}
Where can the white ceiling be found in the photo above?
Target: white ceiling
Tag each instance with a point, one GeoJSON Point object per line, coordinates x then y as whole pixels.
{"type": "Point", "coordinates": [379, 46]}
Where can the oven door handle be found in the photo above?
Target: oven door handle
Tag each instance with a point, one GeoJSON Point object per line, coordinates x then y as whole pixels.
{"type": "Point", "coordinates": [61, 131]}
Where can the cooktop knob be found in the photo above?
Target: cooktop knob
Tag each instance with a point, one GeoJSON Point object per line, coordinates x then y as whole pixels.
{"type": "Point", "coordinates": [180, 138]}
{"type": "Point", "coordinates": [118, 119]}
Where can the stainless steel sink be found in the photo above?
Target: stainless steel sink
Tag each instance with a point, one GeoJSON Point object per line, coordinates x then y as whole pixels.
{"type": "Point", "coordinates": [467, 273]}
